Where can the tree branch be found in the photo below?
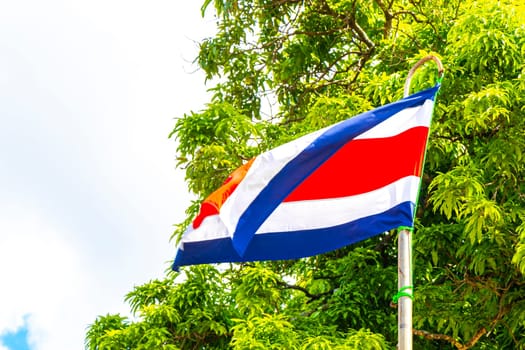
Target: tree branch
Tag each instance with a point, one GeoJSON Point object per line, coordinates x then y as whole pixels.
{"type": "Point", "coordinates": [311, 296]}
{"type": "Point", "coordinates": [388, 17]}
{"type": "Point", "coordinates": [433, 336]}
{"type": "Point", "coordinates": [350, 21]}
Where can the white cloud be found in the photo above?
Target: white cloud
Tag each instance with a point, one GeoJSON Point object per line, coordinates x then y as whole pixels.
{"type": "Point", "coordinates": [41, 274]}
{"type": "Point", "coordinates": [88, 93]}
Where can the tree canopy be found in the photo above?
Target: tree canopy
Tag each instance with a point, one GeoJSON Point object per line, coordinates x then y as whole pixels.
{"type": "Point", "coordinates": [283, 68]}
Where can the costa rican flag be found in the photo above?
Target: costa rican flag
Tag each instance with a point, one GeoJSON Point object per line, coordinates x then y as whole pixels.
{"type": "Point", "coordinates": [337, 186]}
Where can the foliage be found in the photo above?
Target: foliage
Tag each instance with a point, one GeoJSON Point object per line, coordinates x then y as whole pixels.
{"type": "Point", "coordinates": [283, 68]}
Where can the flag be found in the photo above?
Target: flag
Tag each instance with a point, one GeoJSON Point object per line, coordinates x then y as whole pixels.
{"type": "Point", "coordinates": [325, 190]}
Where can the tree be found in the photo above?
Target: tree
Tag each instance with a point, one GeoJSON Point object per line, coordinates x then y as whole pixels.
{"type": "Point", "coordinates": [284, 68]}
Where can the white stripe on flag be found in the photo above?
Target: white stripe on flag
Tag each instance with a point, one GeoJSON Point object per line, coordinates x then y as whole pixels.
{"type": "Point", "coordinates": [315, 214]}
{"type": "Point", "coordinates": [401, 121]}
{"type": "Point", "coordinates": [211, 227]}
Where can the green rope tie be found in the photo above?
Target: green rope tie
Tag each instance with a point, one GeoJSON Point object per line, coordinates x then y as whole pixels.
{"type": "Point", "coordinates": [402, 293]}
{"type": "Point", "coordinates": [405, 291]}
{"type": "Point", "coordinates": [408, 228]}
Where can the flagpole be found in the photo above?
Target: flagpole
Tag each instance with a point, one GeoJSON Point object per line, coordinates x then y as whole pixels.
{"type": "Point", "coordinates": [404, 269]}
{"type": "Point", "coordinates": [404, 303]}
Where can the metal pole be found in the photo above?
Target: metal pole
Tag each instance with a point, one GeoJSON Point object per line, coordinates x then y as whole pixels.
{"type": "Point", "coordinates": [441, 70]}
{"type": "Point", "coordinates": [404, 269]}
{"type": "Point", "coordinates": [404, 304]}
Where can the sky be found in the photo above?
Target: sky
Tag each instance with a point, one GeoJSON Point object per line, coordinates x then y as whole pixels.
{"type": "Point", "coordinates": [89, 192]}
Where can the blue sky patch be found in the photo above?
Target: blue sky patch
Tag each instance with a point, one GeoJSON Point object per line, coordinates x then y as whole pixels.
{"type": "Point", "coordinates": [16, 340]}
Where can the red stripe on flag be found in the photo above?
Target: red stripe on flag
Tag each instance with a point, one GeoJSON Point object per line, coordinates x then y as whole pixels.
{"type": "Point", "coordinates": [364, 165]}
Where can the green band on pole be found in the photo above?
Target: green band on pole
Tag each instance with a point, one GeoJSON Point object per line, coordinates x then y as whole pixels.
{"type": "Point", "coordinates": [403, 293]}
{"type": "Point", "coordinates": [407, 228]}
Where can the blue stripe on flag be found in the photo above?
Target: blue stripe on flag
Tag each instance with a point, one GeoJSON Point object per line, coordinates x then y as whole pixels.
{"type": "Point", "coordinates": [310, 159]}
{"type": "Point", "coordinates": [296, 244]}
